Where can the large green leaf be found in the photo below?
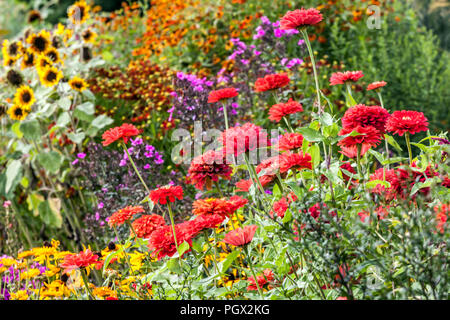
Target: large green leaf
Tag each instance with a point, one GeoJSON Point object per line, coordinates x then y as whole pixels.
{"type": "Point", "coordinates": [31, 129]}
{"type": "Point", "coordinates": [51, 161]}
{"type": "Point", "coordinates": [13, 172]}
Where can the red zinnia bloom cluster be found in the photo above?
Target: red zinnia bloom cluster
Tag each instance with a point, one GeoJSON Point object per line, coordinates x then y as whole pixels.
{"type": "Point", "coordinates": [262, 280]}
{"type": "Point", "coordinates": [278, 111]}
{"type": "Point", "coordinates": [271, 82]}
{"type": "Point", "coordinates": [314, 211]}
{"type": "Point", "coordinates": [343, 77]}
{"type": "Point", "coordinates": [407, 121]}
{"type": "Point", "coordinates": [364, 116]}
{"type": "Point", "coordinates": [162, 242]}
{"type": "Point", "coordinates": [442, 212]}
{"type": "Point", "coordinates": [376, 85]}
{"type": "Point", "coordinates": [220, 207]}
{"type": "Point", "coordinates": [241, 236]}
{"type": "Point", "coordinates": [215, 96]}
{"type": "Point", "coordinates": [121, 216]}
{"type": "Point", "coordinates": [146, 224]}
{"type": "Point", "coordinates": [207, 168]}
{"type": "Point", "coordinates": [296, 161]}
{"type": "Point", "coordinates": [348, 167]}
{"type": "Point", "coordinates": [368, 137]}
{"type": "Point", "coordinates": [125, 131]}
{"type": "Point", "coordinates": [300, 18]}
{"type": "Point", "coordinates": [391, 176]}
{"type": "Point", "coordinates": [211, 221]}
{"type": "Point", "coordinates": [290, 141]}
{"type": "Point", "coordinates": [241, 139]}
{"type": "Point", "coordinates": [280, 207]}
{"type": "Point", "coordinates": [78, 260]}
{"type": "Point", "coordinates": [270, 167]}
{"type": "Point", "coordinates": [163, 194]}
{"type": "Point", "coordinates": [381, 212]}
{"type": "Point", "coordinates": [244, 185]}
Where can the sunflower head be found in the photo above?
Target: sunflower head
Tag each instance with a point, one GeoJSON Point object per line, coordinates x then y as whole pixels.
{"type": "Point", "coordinates": [18, 113]}
{"type": "Point", "coordinates": [28, 59]}
{"type": "Point", "coordinates": [78, 12]}
{"type": "Point", "coordinates": [86, 53]}
{"type": "Point", "coordinates": [40, 42]}
{"type": "Point", "coordinates": [34, 15]}
{"type": "Point", "coordinates": [43, 62]}
{"type": "Point", "coordinates": [53, 55]}
{"type": "Point", "coordinates": [78, 84]}
{"type": "Point", "coordinates": [50, 76]}
{"type": "Point", "coordinates": [12, 49]}
{"type": "Point", "coordinates": [89, 35]}
{"type": "Point", "coordinates": [24, 97]}
{"type": "Point", "coordinates": [14, 77]}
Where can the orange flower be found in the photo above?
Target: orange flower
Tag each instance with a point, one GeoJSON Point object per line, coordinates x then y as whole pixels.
{"type": "Point", "coordinates": [121, 216]}
{"type": "Point", "coordinates": [125, 131]}
{"type": "Point", "coordinates": [241, 236]}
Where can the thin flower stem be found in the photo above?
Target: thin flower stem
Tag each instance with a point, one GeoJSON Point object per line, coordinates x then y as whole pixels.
{"type": "Point", "coordinates": [313, 63]}
{"type": "Point", "coordinates": [135, 169]}
{"type": "Point", "coordinates": [173, 230]}
{"type": "Point", "coordinates": [250, 264]}
{"type": "Point", "coordinates": [88, 290]}
{"type": "Point", "coordinates": [408, 144]}
{"type": "Point", "coordinates": [358, 161]}
{"type": "Point", "coordinates": [123, 245]}
{"type": "Point", "coordinates": [288, 124]}
{"type": "Point", "coordinates": [216, 184]}
{"type": "Point", "coordinates": [225, 115]}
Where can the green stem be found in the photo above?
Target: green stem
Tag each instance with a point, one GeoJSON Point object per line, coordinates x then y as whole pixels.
{"type": "Point", "coordinates": [288, 124]}
{"type": "Point", "coordinates": [216, 183]}
{"type": "Point", "coordinates": [250, 264]}
{"type": "Point", "coordinates": [408, 144]}
{"type": "Point", "coordinates": [135, 169]}
{"type": "Point", "coordinates": [173, 230]}
{"type": "Point", "coordinates": [225, 115]}
{"type": "Point", "coordinates": [358, 161]}
{"type": "Point", "coordinates": [313, 63]}
{"type": "Point", "coordinates": [85, 281]}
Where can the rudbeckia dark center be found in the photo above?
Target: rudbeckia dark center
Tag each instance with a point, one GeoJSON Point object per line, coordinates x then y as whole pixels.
{"type": "Point", "coordinates": [40, 43]}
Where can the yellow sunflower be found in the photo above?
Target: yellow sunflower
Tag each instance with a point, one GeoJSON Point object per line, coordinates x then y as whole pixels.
{"type": "Point", "coordinates": [78, 84]}
{"type": "Point", "coordinates": [39, 42]}
{"type": "Point", "coordinates": [12, 49]}
{"type": "Point", "coordinates": [53, 55]}
{"type": "Point", "coordinates": [89, 36]}
{"type": "Point", "coordinates": [78, 12]}
{"type": "Point", "coordinates": [50, 76]}
{"type": "Point", "coordinates": [8, 61]}
{"type": "Point", "coordinates": [24, 97]}
{"type": "Point", "coordinates": [43, 62]}
{"type": "Point", "coordinates": [28, 60]}
{"type": "Point", "coordinates": [16, 112]}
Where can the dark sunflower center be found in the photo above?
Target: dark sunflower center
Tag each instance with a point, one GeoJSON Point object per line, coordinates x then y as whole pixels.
{"type": "Point", "coordinates": [78, 85]}
{"type": "Point", "coordinates": [87, 35]}
{"type": "Point", "coordinates": [34, 16]}
{"type": "Point", "coordinates": [79, 13]}
{"type": "Point", "coordinates": [18, 112]}
{"type": "Point", "coordinates": [26, 97]}
{"type": "Point", "coordinates": [14, 77]}
{"type": "Point", "coordinates": [29, 60]}
{"type": "Point", "coordinates": [52, 55]}
{"type": "Point", "coordinates": [51, 76]}
{"type": "Point", "coordinates": [13, 49]}
{"type": "Point", "coordinates": [40, 43]}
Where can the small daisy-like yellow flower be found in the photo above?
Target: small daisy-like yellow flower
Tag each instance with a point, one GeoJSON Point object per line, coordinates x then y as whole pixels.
{"type": "Point", "coordinates": [18, 113]}
{"type": "Point", "coordinates": [8, 262]}
{"type": "Point", "coordinates": [9, 61]}
{"type": "Point", "coordinates": [19, 295]}
{"type": "Point", "coordinates": [43, 62]}
{"type": "Point", "coordinates": [43, 254]}
{"type": "Point", "coordinates": [52, 270]}
{"type": "Point", "coordinates": [78, 12]}
{"type": "Point", "coordinates": [25, 254]}
{"type": "Point", "coordinates": [78, 84]}
{"type": "Point", "coordinates": [102, 292]}
{"type": "Point", "coordinates": [24, 97]}
{"type": "Point", "coordinates": [40, 42]}
{"type": "Point", "coordinates": [50, 76]}
{"type": "Point", "coordinates": [55, 289]}
{"type": "Point", "coordinates": [30, 274]}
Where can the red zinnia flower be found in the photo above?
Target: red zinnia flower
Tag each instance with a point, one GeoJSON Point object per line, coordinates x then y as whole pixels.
{"type": "Point", "coordinates": [241, 139]}
{"type": "Point", "coordinates": [121, 216]}
{"type": "Point", "coordinates": [221, 207]}
{"type": "Point", "coordinates": [376, 85]}
{"type": "Point", "coordinates": [211, 221]}
{"type": "Point", "coordinates": [343, 77]}
{"type": "Point", "coordinates": [362, 115]}
{"type": "Point", "coordinates": [368, 137]}
{"type": "Point", "coordinates": [270, 167]}
{"type": "Point", "coordinates": [297, 161]}
{"type": "Point", "coordinates": [348, 167]}
{"type": "Point", "coordinates": [207, 168]}
{"type": "Point", "coordinates": [262, 280]}
{"type": "Point", "coordinates": [78, 260]}
{"type": "Point", "coordinates": [278, 111]}
{"type": "Point", "coordinates": [162, 242]}
{"type": "Point", "coordinates": [280, 207]}
{"type": "Point", "coordinates": [215, 96]}
{"type": "Point", "coordinates": [407, 121]}
{"type": "Point", "coordinates": [442, 212]}
{"type": "Point", "coordinates": [162, 194]}
{"type": "Point", "coordinates": [240, 236]}
{"type": "Point", "coordinates": [125, 131]}
{"type": "Point", "coordinates": [146, 224]}
{"type": "Point", "coordinates": [391, 175]}
{"type": "Point", "coordinates": [290, 141]}
{"type": "Point", "coordinates": [300, 18]}
{"type": "Point", "coordinates": [271, 81]}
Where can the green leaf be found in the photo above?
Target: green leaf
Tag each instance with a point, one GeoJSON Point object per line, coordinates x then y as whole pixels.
{"type": "Point", "coordinates": [107, 56]}
{"type": "Point", "coordinates": [310, 135]}
{"type": "Point", "coordinates": [372, 184]}
{"type": "Point", "coordinates": [76, 137]}
{"type": "Point", "coordinates": [392, 142]}
{"type": "Point", "coordinates": [65, 103]}
{"type": "Point", "coordinates": [174, 266]}
{"type": "Point", "coordinates": [326, 119]}
{"type": "Point", "coordinates": [31, 129]}
{"type": "Point", "coordinates": [16, 129]}
{"type": "Point", "coordinates": [314, 151]}
{"type": "Point", "coordinates": [85, 111]}
{"type": "Point", "coordinates": [51, 161]}
{"type": "Point", "coordinates": [229, 260]}
{"type": "Point", "coordinates": [63, 119]}
{"type": "Point", "coordinates": [287, 216]}
{"type": "Point", "coordinates": [101, 121]}
{"type": "Point", "coordinates": [50, 216]}
{"type": "Point", "coordinates": [13, 172]}
{"type": "Point", "coordinates": [183, 248]}
{"type": "Point", "coordinates": [110, 256]}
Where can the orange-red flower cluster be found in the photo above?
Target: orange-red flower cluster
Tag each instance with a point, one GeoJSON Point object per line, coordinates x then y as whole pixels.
{"type": "Point", "coordinates": [207, 168]}
{"type": "Point", "coordinates": [217, 95]}
{"type": "Point", "coordinates": [241, 236]}
{"type": "Point", "coordinates": [271, 82]}
{"type": "Point", "coordinates": [280, 110]}
{"type": "Point", "coordinates": [407, 121]}
{"type": "Point", "coordinates": [164, 194]}
{"type": "Point", "coordinates": [263, 279]}
{"type": "Point", "coordinates": [78, 260]}
{"type": "Point", "coordinates": [367, 137]}
{"type": "Point", "coordinates": [300, 18]}
{"type": "Point", "coordinates": [121, 216]}
{"type": "Point", "coordinates": [146, 224]}
{"type": "Point", "coordinates": [343, 77]}
{"type": "Point", "coordinates": [125, 131]}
